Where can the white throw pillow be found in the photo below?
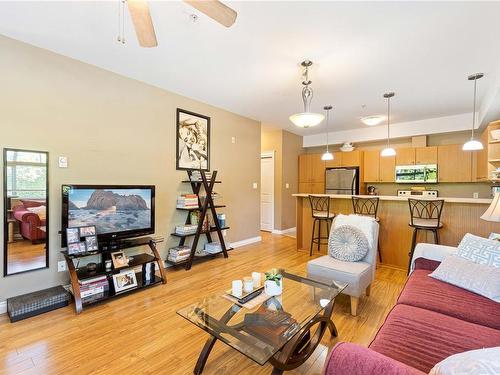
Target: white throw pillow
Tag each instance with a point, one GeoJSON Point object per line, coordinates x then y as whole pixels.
{"type": "Point", "coordinates": [347, 243]}
{"type": "Point", "coordinates": [474, 362]}
{"type": "Point", "coordinates": [474, 277]}
{"type": "Point", "coordinates": [40, 211]}
{"type": "Point", "coordinates": [363, 223]}
{"type": "Point", "coordinates": [480, 250]}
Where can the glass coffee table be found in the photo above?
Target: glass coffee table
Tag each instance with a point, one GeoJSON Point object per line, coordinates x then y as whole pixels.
{"type": "Point", "coordinates": [283, 330]}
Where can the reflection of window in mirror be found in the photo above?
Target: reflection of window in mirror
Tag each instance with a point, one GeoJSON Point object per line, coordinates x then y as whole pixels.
{"type": "Point", "coordinates": [25, 210]}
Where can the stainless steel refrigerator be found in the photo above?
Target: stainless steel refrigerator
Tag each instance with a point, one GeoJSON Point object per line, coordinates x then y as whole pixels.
{"type": "Point", "coordinates": [342, 181]}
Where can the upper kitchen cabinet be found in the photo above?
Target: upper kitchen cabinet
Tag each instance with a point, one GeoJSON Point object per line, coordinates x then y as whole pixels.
{"type": "Point", "coordinates": [336, 162]}
{"type": "Point", "coordinates": [454, 165]}
{"type": "Point", "coordinates": [371, 166]}
{"type": "Point", "coordinates": [311, 168]}
{"type": "Point", "coordinates": [405, 156]}
{"type": "Point", "coordinates": [387, 168]}
{"type": "Point", "coordinates": [426, 155]}
{"type": "Point", "coordinates": [351, 158]}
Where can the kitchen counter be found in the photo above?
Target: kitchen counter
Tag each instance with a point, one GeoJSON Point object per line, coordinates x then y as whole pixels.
{"type": "Point", "coordinates": [396, 198]}
{"type": "Point", "coordinates": [459, 216]}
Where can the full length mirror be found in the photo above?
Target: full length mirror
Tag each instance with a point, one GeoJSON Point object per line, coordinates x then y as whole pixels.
{"type": "Point", "coordinates": [26, 207]}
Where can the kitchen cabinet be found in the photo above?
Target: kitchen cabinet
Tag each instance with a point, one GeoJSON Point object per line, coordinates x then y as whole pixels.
{"type": "Point", "coordinates": [336, 162]}
{"type": "Point", "coordinates": [426, 155]}
{"type": "Point", "coordinates": [387, 168]}
{"type": "Point", "coordinates": [351, 159]}
{"type": "Point", "coordinates": [304, 168]}
{"type": "Point", "coordinates": [480, 159]}
{"type": "Point", "coordinates": [311, 168]}
{"type": "Point", "coordinates": [454, 165]}
{"type": "Point", "coordinates": [311, 187]}
{"type": "Point", "coordinates": [371, 165]}
{"type": "Point", "coordinates": [405, 156]}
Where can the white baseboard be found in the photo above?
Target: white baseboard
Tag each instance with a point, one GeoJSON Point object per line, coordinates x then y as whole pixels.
{"type": "Point", "coordinates": [285, 231]}
{"type": "Point", "coordinates": [246, 241]}
{"type": "Point", "coordinates": [3, 307]}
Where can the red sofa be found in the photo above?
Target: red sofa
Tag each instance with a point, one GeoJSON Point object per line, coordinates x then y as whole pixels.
{"type": "Point", "coordinates": [431, 321]}
{"type": "Point", "coordinates": [29, 222]}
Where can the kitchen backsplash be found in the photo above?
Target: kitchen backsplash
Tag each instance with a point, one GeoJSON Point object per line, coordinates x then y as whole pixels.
{"type": "Point", "coordinates": [451, 190]}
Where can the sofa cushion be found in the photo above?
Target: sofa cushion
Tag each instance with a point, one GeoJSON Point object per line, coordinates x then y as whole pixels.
{"type": "Point", "coordinates": [474, 362]}
{"type": "Point", "coordinates": [356, 274]}
{"type": "Point", "coordinates": [421, 338]}
{"type": "Point", "coordinates": [480, 250]}
{"type": "Point", "coordinates": [347, 243]}
{"type": "Point", "coordinates": [431, 294]}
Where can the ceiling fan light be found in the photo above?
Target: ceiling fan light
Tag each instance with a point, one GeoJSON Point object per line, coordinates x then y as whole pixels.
{"type": "Point", "coordinates": [327, 156]}
{"type": "Point", "coordinates": [388, 151]}
{"type": "Point", "coordinates": [372, 120]}
{"type": "Point", "coordinates": [472, 145]}
{"type": "Point", "coordinates": [306, 119]}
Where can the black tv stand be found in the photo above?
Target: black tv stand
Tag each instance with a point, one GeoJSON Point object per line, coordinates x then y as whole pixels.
{"type": "Point", "coordinates": [120, 244]}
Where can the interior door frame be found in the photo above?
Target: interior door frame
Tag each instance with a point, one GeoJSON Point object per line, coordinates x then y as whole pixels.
{"type": "Point", "coordinates": [267, 155]}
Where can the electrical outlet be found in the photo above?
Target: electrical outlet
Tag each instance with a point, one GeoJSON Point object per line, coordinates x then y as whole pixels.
{"type": "Point", "coordinates": [233, 139]}
{"type": "Point", "coordinates": [254, 185]}
{"type": "Point", "coordinates": [61, 266]}
{"type": "Point", "coordinates": [287, 186]}
{"type": "Point", "coordinates": [475, 195]}
{"type": "Point", "coordinates": [63, 162]}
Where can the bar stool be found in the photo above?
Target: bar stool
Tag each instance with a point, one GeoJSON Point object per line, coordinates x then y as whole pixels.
{"type": "Point", "coordinates": [320, 208]}
{"type": "Point", "coordinates": [424, 215]}
{"type": "Point", "coordinates": [367, 207]}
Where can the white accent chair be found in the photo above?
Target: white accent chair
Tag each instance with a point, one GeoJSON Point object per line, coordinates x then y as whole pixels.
{"type": "Point", "coordinates": [358, 275]}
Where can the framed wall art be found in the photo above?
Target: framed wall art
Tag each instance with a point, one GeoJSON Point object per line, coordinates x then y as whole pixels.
{"type": "Point", "coordinates": [192, 141]}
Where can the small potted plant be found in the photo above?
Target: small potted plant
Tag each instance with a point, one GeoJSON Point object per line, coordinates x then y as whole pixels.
{"type": "Point", "coordinates": [273, 286]}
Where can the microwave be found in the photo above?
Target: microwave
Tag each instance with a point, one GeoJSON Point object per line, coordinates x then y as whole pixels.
{"type": "Point", "coordinates": [421, 174]}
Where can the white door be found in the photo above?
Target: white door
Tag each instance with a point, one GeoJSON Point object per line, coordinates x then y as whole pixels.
{"type": "Point", "coordinates": [267, 191]}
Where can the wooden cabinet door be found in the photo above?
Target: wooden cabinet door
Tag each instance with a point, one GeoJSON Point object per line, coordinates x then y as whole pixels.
{"type": "Point", "coordinates": [387, 168]}
{"type": "Point", "coordinates": [336, 162]}
{"type": "Point", "coordinates": [318, 188]}
{"type": "Point", "coordinates": [480, 160]}
{"type": "Point", "coordinates": [305, 168]}
{"type": "Point", "coordinates": [454, 165]}
{"type": "Point", "coordinates": [317, 168]}
{"type": "Point", "coordinates": [405, 156]}
{"type": "Point", "coordinates": [351, 159]}
{"type": "Point", "coordinates": [305, 187]}
{"type": "Point", "coordinates": [371, 166]}
{"type": "Point", "coordinates": [426, 155]}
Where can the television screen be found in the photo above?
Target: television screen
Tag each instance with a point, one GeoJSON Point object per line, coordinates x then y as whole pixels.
{"type": "Point", "coordinates": [116, 211]}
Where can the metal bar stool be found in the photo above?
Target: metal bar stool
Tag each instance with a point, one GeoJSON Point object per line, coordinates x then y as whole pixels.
{"type": "Point", "coordinates": [320, 209]}
{"type": "Point", "coordinates": [424, 215]}
{"type": "Point", "coordinates": [367, 207]}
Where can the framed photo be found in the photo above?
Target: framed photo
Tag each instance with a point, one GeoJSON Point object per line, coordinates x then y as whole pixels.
{"type": "Point", "coordinates": [91, 243]}
{"type": "Point", "coordinates": [119, 259]}
{"type": "Point", "coordinates": [87, 231]}
{"type": "Point", "coordinates": [124, 281]}
{"type": "Point", "coordinates": [72, 235]}
{"type": "Point", "coordinates": [76, 248]}
{"type": "Point", "coordinates": [192, 141]}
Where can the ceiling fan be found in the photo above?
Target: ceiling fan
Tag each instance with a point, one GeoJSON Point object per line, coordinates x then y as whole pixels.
{"type": "Point", "coordinates": [143, 24]}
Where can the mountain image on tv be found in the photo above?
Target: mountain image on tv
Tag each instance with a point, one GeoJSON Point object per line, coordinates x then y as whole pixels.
{"type": "Point", "coordinates": [110, 210]}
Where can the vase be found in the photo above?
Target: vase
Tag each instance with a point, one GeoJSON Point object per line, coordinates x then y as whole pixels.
{"type": "Point", "coordinates": [272, 289]}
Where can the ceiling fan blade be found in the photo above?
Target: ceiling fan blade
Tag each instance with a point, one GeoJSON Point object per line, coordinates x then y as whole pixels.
{"type": "Point", "coordinates": [141, 18]}
{"type": "Point", "coordinates": [215, 10]}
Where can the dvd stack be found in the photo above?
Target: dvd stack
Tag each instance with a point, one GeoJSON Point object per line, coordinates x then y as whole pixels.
{"type": "Point", "coordinates": [93, 289]}
{"type": "Point", "coordinates": [179, 253]}
{"type": "Point", "coordinates": [187, 201]}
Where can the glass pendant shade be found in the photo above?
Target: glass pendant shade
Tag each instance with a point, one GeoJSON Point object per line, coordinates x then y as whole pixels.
{"type": "Point", "coordinates": [388, 151]}
{"type": "Point", "coordinates": [472, 145]}
{"type": "Point", "coordinates": [327, 156]}
{"type": "Point", "coordinates": [306, 119]}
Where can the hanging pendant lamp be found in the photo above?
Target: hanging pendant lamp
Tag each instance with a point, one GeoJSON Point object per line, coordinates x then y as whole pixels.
{"type": "Point", "coordinates": [307, 118]}
{"type": "Point", "coordinates": [388, 151]}
{"type": "Point", "coordinates": [327, 155]}
{"type": "Point", "coordinates": [473, 144]}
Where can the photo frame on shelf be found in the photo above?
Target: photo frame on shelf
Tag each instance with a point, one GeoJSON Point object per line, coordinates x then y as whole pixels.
{"type": "Point", "coordinates": [72, 235]}
{"type": "Point", "coordinates": [91, 243]}
{"type": "Point", "coordinates": [124, 280]}
{"type": "Point", "coordinates": [192, 141]}
{"type": "Point", "coordinates": [88, 230]}
{"type": "Point", "coordinates": [119, 259]}
{"type": "Point", "coordinates": [76, 248]}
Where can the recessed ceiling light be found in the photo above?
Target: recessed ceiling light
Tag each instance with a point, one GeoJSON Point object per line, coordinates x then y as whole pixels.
{"type": "Point", "coordinates": [372, 120]}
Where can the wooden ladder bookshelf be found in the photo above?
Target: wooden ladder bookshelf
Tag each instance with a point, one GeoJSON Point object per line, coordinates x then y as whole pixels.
{"type": "Point", "coordinates": [205, 208]}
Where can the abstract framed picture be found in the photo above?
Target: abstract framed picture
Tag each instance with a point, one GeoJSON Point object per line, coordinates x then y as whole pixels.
{"type": "Point", "coordinates": [192, 141]}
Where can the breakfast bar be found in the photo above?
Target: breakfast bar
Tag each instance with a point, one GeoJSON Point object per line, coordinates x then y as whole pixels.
{"type": "Point", "coordinates": [459, 216]}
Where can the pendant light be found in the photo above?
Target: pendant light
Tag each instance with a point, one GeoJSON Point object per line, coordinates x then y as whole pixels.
{"type": "Point", "coordinates": [473, 144]}
{"type": "Point", "coordinates": [327, 155]}
{"type": "Point", "coordinates": [388, 151]}
{"type": "Point", "coordinates": [307, 118]}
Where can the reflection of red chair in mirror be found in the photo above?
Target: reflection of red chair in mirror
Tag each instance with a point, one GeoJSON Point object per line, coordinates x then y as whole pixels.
{"type": "Point", "coordinates": [31, 215]}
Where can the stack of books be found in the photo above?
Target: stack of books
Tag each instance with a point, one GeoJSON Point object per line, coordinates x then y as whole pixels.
{"type": "Point", "coordinates": [179, 253]}
{"type": "Point", "coordinates": [186, 229]}
{"type": "Point", "coordinates": [213, 247]}
{"type": "Point", "coordinates": [187, 201]}
{"type": "Point", "coordinates": [93, 289]}
{"type": "Point", "coordinates": [196, 176]}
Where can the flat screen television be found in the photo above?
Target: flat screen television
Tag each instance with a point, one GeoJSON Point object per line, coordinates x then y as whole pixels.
{"type": "Point", "coordinates": [117, 211]}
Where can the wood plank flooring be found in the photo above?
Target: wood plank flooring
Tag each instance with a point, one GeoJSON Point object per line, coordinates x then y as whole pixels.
{"type": "Point", "coordinates": [142, 334]}
{"type": "Point", "coordinates": [22, 255]}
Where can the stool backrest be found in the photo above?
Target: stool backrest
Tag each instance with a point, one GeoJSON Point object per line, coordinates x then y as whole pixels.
{"type": "Point", "coordinates": [365, 206]}
{"type": "Point", "coordinates": [319, 203]}
{"type": "Point", "coordinates": [426, 209]}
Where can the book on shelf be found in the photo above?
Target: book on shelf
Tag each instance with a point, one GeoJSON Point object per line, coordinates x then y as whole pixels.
{"type": "Point", "coordinates": [187, 201]}
{"type": "Point", "coordinates": [213, 247]}
{"type": "Point", "coordinates": [179, 253]}
{"type": "Point", "coordinates": [196, 176]}
{"type": "Point", "coordinates": [186, 229]}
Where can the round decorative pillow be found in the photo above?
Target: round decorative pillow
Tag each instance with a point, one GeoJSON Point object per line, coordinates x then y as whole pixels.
{"type": "Point", "coordinates": [347, 243]}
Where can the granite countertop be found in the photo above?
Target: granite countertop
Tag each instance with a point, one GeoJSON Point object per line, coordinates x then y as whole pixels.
{"type": "Point", "coordinates": [396, 198]}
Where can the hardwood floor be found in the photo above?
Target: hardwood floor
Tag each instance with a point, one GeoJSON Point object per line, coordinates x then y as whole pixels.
{"type": "Point", "coordinates": [22, 255]}
{"type": "Point", "coordinates": [142, 334]}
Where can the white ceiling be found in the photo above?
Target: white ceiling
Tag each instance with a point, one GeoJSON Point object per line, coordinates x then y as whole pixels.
{"type": "Point", "coordinates": [421, 50]}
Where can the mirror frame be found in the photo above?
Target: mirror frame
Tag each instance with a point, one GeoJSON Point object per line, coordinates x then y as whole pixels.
{"type": "Point", "coordinates": [5, 213]}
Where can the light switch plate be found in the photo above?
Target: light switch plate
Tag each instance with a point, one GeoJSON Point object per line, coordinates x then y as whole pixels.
{"type": "Point", "coordinates": [254, 185]}
{"type": "Point", "coordinates": [475, 195]}
{"type": "Point", "coordinates": [61, 266]}
{"type": "Point", "coordinates": [233, 139]}
{"type": "Point", "coordinates": [63, 162]}
{"type": "Point", "coordinates": [287, 186]}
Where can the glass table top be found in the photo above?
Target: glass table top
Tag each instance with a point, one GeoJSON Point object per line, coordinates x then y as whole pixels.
{"type": "Point", "coordinates": [263, 330]}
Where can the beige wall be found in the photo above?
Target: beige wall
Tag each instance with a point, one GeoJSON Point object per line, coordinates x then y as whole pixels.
{"type": "Point", "coordinates": [287, 147]}
{"type": "Point", "coordinates": [115, 130]}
